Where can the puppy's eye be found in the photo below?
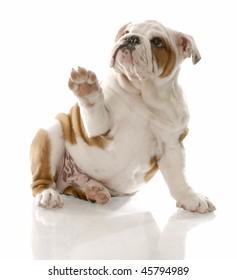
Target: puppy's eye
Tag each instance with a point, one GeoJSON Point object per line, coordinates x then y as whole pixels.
{"type": "Point", "coordinates": [157, 42]}
{"type": "Point", "coordinates": [126, 32]}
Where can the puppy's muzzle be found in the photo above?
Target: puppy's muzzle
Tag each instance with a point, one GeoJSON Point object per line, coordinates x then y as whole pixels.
{"type": "Point", "coordinates": [130, 43]}
{"type": "Point", "coordinates": [127, 43]}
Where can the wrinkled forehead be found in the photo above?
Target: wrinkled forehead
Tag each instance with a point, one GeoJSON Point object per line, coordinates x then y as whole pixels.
{"type": "Point", "coordinates": [149, 29]}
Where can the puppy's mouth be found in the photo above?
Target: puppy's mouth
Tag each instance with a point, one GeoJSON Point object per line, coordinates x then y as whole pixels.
{"type": "Point", "coordinates": [123, 51]}
{"type": "Point", "coordinates": [124, 54]}
{"type": "Point", "coordinates": [123, 61]}
{"type": "Point", "coordinates": [131, 58]}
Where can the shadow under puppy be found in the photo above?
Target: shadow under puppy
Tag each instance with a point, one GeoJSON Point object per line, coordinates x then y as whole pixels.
{"type": "Point", "coordinates": [121, 132]}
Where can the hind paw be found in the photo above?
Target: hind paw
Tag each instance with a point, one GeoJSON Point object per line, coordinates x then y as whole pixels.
{"type": "Point", "coordinates": [98, 194]}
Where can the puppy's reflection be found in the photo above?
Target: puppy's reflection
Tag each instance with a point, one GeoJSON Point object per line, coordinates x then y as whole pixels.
{"type": "Point", "coordinates": [79, 231]}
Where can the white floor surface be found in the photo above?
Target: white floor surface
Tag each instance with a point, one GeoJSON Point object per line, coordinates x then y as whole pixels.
{"type": "Point", "coordinates": [144, 226]}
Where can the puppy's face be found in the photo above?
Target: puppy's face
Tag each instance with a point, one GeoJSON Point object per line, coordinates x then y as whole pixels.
{"type": "Point", "coordinates": [148, 50]}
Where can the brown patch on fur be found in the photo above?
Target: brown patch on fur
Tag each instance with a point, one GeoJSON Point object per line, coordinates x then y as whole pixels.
{"type": "Point", "coordinates": [165, 57]}
{"type": "Point", "coordinates": [121, 32]}
{"type": "Point", "coordinates": [78, 125]}
{"type": "Point", "coordinates": [182, 136]}
{"type": "Point", "coordinates": [153, 169]}
{"type": "Point", "coordinates": [66, 123]}
{"type": "Point", "coordinates": [73, 127]}
{"type": "Point", "coordinates": [75, 192]}
{"type": "Point", "coordinates": [40, 162]}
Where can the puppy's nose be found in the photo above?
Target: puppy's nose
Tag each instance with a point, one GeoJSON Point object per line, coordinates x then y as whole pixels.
{"type": "Point", "coordinates": [133, 40]}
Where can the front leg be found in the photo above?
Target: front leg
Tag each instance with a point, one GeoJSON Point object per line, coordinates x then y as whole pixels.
{"type": "Point", "coordinates": [86, 87]}
{"type": "Point", "coordinates": [172, 168]}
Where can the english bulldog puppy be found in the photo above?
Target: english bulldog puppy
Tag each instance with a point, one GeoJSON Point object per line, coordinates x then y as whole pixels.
{"type": "Point", "coordinates": [122, 131]}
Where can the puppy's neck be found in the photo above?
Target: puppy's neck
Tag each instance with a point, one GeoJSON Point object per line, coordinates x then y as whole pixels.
{"type": "Point", "coordinates": [154, 92]}
{"type": "Point", "coordinates": [158, 92]}
{"type": "Point", "coordinates": [133, 87]}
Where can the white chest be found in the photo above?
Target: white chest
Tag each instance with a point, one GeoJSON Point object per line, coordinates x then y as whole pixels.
{"type": "Point", "coordinates": [137, 135]}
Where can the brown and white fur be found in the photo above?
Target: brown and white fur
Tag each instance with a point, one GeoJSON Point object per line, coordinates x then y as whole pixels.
{"type": "Point", "coordinates": [121, 132]}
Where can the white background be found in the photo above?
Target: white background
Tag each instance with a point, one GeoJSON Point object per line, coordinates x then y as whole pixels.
{"type": "Point", "coordinates": [40, 41]}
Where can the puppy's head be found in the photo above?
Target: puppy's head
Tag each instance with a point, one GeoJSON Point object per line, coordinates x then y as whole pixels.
{"type": "Point", "coordinates": [147, 50]}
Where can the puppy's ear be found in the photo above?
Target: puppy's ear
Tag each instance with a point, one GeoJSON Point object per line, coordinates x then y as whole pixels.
{"type": "Point", "coordinates": [121, 32]}
{"type": "Point", "coordinates": [188, 47]}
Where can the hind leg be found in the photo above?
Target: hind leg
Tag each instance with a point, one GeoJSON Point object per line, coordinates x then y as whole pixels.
{"type": "Point", "coordinates": [46, 152]}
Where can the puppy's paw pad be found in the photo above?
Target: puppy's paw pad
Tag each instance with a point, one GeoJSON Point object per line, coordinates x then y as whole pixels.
{"type": "Point", "coordinates": [98, 194]}
{"type": "Point", "coordinates": [49, 198]}
{"type": "Point", "coordinates": [82, 82]}
{"type": "Point", "coordinates": [195, 202]}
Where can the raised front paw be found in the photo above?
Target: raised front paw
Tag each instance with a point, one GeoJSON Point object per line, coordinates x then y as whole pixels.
{"type": "Point", "coordinates": [83, 82]}
{"type": "Point", "coordinates": [195, 202]}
